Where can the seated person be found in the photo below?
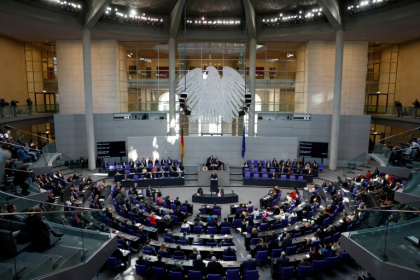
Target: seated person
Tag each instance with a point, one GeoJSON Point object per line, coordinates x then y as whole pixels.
{"type": "Point", "coordinates": [249, 264]}
{"type": "Point", "coordinates": [229, 252]}
{"type": "Point", "coordinates": [178, 252]}
{"type": "Point", "coordinates": [205, 168]}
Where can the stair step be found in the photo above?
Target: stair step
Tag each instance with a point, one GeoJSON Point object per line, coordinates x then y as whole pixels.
{"type": "Point", "coordinates": [36, 265]}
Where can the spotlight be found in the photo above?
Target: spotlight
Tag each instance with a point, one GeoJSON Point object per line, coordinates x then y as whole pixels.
{"type": "Point", "coordinates": [183, 95]}
{"type": "Point", "coordinates": [241, 113]}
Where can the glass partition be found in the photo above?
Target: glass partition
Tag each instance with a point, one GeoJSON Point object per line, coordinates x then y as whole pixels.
{"type": "Point", "coordinates": [382, 152]}
{"type": "Point", "coordinates": [40, 238]}
{"type": "Point", "coordinates": [349, 169]}
{"type": "Point", "coordinates": [390, 233]}
{"type": "Point", "coordinates": [27, 110]}
{"type": "Point", "coordinates": [412, 186]}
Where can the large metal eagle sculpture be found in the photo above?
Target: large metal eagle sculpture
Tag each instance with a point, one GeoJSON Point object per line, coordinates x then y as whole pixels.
{"type": "Point", "coordinates": [213, 96]}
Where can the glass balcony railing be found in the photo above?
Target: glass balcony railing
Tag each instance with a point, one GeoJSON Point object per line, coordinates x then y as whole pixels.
{"type": "Point", "coordinates": [405, 112]}
{"type": "Point", "coordinates": [397, 156]}
{"type": "Point", "coordinates": [25, 110]}
{"type": "Point", "coordinates": [388, 233]}
{"type": "Point", "coordinates": [40, 238]}
{"type": "Point", "coordinates": [413, 182]}
{"type": "Point", "coordinates": [349, 169]}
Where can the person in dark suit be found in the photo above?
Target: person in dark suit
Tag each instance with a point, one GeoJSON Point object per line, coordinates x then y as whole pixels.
{"type": "Point", "coordinates": [124, 243]}
{"type": "Point", "coordinates": [142, 261]}
{"type": "Point", "coordinates": [229, 252]}
{"type": "Point", "coordinates": [159, 263]}
{"type": "Point", "coordinates": [178, 252]}
{"type": "Point", "coordinates": [211, 254]}
{"type": "Point", "coordinates": [148, 247]}
{"type": "Point", "coordinates": [225, 223]}
{"type": "Point", "coordinates": [149, 192]}
{"type": "Point", "coordinates": [279, 264]}
{"type": "Point", "coordinates": [287, 241]}
{"type": "Point", "coordinates": [215, 266]}
{"type": "Point", "coordinates": [199, 265]}
{"type": "Point", "coordinates": [249, 264]}
{"type": "Point", "coordinates": [212, 223]}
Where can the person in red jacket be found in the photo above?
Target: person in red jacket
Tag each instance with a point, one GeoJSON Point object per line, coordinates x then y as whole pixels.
{"type": "Point", "coordinates": [152, 219]}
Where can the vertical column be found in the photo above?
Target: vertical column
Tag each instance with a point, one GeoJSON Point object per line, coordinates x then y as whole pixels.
{"type": "Point", "coordinates": [252, 63]}
{"type": "Point", "coordinates": [338, 76]}
{"type": "Point", "coordinates": [87, 75]}
{"type": "Point", "coordinates": [171, 86]}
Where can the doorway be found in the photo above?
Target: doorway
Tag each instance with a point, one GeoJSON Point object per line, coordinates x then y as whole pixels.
{"type": "Point", "coordinates": [45, 102]}
{"type": "Point", "coordinates": [377, 103]}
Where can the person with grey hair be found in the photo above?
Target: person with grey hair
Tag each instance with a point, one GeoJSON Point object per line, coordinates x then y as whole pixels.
{"type": "Point", "coordinates": [214, 266]}
{"type": "Point", "coordinates": [279, 264]}
{"type": "Point", "coordinates": [249, 264]}
{"type": "Point", "coordinates": [178, 268]}
{"type": "Point", "coordinates": [199, 265]}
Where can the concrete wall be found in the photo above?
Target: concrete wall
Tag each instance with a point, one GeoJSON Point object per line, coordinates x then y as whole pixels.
{"type": "Point", "coordinates": [354, 132]}
{"type": "Point", "coordinates": [320, 61]}
{"type": "Point", "coordinates": [408, 82]}
{"type": "Point", "coordinates": [105, 77]}
{"type": "Point", "coordinates": [278, 139]}
{"type": "Point", "coordinates": [70, 131]}
{"type": "Point", "coordinates": [12, 70]}
{"type": "Point", "coordinates": [198, 149]}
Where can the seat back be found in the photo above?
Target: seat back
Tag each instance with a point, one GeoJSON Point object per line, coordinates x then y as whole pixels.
{"type": "Point", "coordinates": [255, 240]}
{"type": "Point", "coordinates": [291, 250]}
{"type": "Point", "coordinates": [304, 271]}
{"type": "Point", "coordinates": [168, 239]}
{"type": "Point", "coordinates": [217, 212]}
{"type": "Point", "coordinates": [211, 230]}
{"type": "Point", "coordinates": [262, 256]}
{"type": "Point", "coordinates": [275, 253]}
{"type": "Point", "coordinates": [251, 275]}
{"type": "Point", "coordinates": [112, 263]}
{"type": "Point", "coordinates": [287, 272]}
{"type": "Point", "coordinates": [225, 230]}
{"type": "Point", "coordinates": [237, 223]}
{"type": "Point", "coordinates": [158, 272]}
{"type": "Point", "coordinates": [264, 227]}
{"type": "Point", "coordinates": [213, 277]}
{"type": "Point", "coordinates": [331, 262]}
{"type": "Point", "coordinates": [247, 175]}
{"type": "Point", "coordinates": [198, 229]}
{"type": "Point", "coordinates": [318, 265]}
{"type": "Point", "coordinates": [184, 209]}
{"type": "Point", "coordinates": [175, 275]}
{"type": "Point", "coordinates": [141, 270]}
{"type": "Point", "coordinates": [232, 274]}
{"type": "Point", "coordinates": [293, 220]}
{"type": "Point", "coordinates": [194, 275]}
{"type": "Point", "coordinates": [185, 229]}
{"type": "Point", "coordinates": [164, 254]}
{"type": "Point", "coordinates": [229, 258]}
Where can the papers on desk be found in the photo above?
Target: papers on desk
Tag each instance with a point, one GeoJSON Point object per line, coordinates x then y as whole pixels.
{"type": "Point", "coordinates": [125, 252]}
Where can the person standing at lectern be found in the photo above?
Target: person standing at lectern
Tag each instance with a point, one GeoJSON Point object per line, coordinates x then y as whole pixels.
{"type": "Point", "coordinates": [213, 176]}
{"type": "Point", "coordinates": [221, 191]}
{"type": "Point", "coordinates": [213, 182]}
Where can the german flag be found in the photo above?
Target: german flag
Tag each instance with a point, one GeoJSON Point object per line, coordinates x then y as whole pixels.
{"type": "Point", "coordinates": [182, 145]}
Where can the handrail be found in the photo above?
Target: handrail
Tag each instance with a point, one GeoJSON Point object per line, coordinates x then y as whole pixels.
{"type": "Point", "coordinates": [81, 210]}
{"type": "Point", "coordinates": [384, 210]}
